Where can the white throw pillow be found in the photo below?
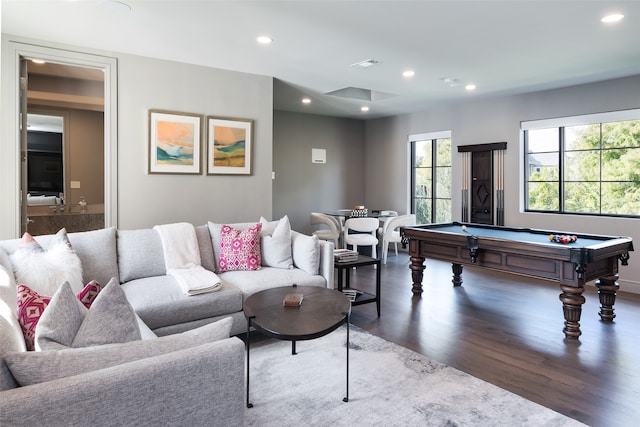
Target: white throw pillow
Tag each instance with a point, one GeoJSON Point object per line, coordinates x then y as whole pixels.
{"type": "Point", "coordinates": [45, 271]}
{"type": "Point", "coordinates": [306, 252]}
{"type": "Point", "coordinates": [275, 243]}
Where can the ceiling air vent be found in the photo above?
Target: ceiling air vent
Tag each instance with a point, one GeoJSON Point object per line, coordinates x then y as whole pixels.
{"type": "Point", "coordinates": [365, 64]}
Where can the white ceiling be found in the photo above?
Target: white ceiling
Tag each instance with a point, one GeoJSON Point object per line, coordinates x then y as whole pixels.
{"type": "Point", "coordinates": [504, 47]}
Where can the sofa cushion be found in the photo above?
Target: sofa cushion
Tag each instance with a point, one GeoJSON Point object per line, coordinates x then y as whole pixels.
{"type": "Point", "coordinates": [214, 231]}
{"type": "Point", "coordinates": [306, 252]}
{"type": "Point", "coordinates": [97, 252]}
{"type": "Point", "coordinates": [206, 249]}
{"type": "Point", "coordinates": [139, 254]}
{"type": "Point", "coordinates": [111, 319]}
{"type": "Point", "coordinates": [160, 301]}
{"type": "Point", "coordinates": [36, 367]}
{"type": "Point", "coordinates": [239, 249]}
{"type": "Point", "coordinates": [275, 242]}
{"type": "Point", "coordinates": [31, 305]}
{"type": "Point", "coordinates": [45, 270]}
{"type": "Point", "coordinates": [250, 282]}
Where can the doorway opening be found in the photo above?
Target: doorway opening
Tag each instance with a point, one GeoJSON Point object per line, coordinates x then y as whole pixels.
{"type": "Point", "coordinates": [65, 148]}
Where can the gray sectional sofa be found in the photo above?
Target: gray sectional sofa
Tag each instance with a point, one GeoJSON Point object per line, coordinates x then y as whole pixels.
{"type": "Point", "coordinates": [203, 385]}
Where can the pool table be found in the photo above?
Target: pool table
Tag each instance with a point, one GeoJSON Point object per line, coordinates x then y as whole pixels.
{"type": "Point", "coordinates": [527, 252]}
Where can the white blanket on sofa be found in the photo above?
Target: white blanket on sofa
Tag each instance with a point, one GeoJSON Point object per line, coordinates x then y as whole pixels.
{"type": "Point", "coordinates": [182, 259]}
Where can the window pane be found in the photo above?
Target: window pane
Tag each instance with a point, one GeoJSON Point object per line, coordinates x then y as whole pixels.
{"type": "Point", "coordinates": [582, 137]}
{"type": "Point", "coordinates": [621, 134]}
{"type": "Point", "coordinates": [582, 166]}
{"type": "Point", "coordinates": [423, 182]}
{"type": "Point", "coordinates": [443, 157]}
{"type": "Point", "coordinates": [544, 196]}
{"type": "Point", "coordinates": [423, 211]}
{"type": "Point", "coordinates": [543, 140]}
{"type": "Point", "coordinates": [443, 183]}
{"type": "Point", "coordinates": [423, 154]}
{"type": "Point", "coordinates": [582, 197]}
{"type": "Point", "coordinates": [621, 198]}
{"type": "Point", "coordinates": [443, 210]}
{"type": "Point", "coordinates": [543, 167]}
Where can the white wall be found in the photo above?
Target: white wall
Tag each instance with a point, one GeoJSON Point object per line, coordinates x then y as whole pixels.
{"type": "Point", "coordinates": [145, 200]}
{"type": "Point", "coordinates": [496, 120]}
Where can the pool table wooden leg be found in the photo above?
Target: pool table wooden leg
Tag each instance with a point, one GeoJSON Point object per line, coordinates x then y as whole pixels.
{"type": "Point", "coordinates": [417, 269]}
{"type": "Point", "coordinates": [572, 301]}
{"type": "Point", "coordinates": [607, 288]}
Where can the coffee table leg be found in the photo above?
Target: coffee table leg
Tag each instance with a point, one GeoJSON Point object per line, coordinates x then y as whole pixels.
{"type": "Point", "coordinates": [249, 405]}
{"type": "Point", "coordinates": [293, 347]}
{"type": "Point", "coordinates": [346, 398]}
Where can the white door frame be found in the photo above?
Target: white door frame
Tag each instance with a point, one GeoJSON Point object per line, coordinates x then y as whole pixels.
{"type": "Point", "coordinates": [12, 51]}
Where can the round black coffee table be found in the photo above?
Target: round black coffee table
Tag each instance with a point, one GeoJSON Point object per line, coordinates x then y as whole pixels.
{"type": "Point", "coordinates": [321, 312]}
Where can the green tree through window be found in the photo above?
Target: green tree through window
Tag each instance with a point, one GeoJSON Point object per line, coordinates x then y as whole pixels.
{"type": "Point", "coordinates": [588, 169]}
{"type": "Point", "coordinates": [431, 180]}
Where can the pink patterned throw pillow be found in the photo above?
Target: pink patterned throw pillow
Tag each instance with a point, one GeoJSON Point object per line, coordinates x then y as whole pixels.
{"type": "Point", "coordinates": [31, 305]}
{"type": "Point", "coordinates": [239, 249]}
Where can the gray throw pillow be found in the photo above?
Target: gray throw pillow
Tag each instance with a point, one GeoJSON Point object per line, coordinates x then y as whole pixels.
{"type": "Point", "coordinates": [60, 321]}
{"type": "Point", "coordinates": [36, 367]}
{"type": "Point", "coordinates": [67, 323]}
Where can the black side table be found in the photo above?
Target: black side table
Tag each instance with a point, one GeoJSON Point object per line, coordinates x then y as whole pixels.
{"type": "Point", "coordinates": [344, 274]}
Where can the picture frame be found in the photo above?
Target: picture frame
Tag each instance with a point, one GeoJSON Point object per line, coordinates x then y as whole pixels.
{"type": "Point", "coordinates": [175, 142]}
{"type": "Point", "coordinates": [229, 146]}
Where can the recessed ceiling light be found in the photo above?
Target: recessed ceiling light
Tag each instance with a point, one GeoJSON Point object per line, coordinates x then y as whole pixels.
{"type": "Point", "coordinates": [364, 109]}
{"type": "Point", "coordinates": [470, 87]}
{"type": "Point", "coordinates": [38, 61]}
{"type": "Point", "coordinates": [264, 39]}
{"type": "Point", "coordinates": [306, 100]}
{"type": "Point", "coordinates": [614, 17]}
{"type": "Point", "coordinates": [408, 73]}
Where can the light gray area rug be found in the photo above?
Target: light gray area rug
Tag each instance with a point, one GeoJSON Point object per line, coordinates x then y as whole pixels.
{"type": "Point", "coordinates": [388, 386]}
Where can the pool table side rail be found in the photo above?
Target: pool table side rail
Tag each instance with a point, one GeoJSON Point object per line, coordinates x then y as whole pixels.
{"type": "Point", "coordinates": [547, 260]}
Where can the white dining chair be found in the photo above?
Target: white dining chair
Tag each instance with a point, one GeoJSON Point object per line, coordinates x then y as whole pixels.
{"type": "Point", "coordinates": [391, 232]}
{"type": "Point", "coordinates": [333, 231]}
{"type": "Point", "coordinates": [384, 217]}
{"type": "Point", "coordinates": [365, 233]}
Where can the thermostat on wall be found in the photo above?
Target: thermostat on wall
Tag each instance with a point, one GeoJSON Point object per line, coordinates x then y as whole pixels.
{"type": "Point", "coordinates": [318, 155]}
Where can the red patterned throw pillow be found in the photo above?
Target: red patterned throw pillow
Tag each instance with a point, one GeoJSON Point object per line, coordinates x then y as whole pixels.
{"type": "Point", "coordinates": [239, 249]}
{"type": "Point", "coordinates": [31, 305]}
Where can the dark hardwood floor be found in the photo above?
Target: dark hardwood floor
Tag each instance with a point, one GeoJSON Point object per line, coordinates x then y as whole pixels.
{"type": "Point", "coordinates": [507, 330]}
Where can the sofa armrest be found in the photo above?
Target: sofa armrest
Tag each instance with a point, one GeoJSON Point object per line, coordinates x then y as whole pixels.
{"type": "Point", "coordinates": [202, 385]}
{"type": "Point", "coordinates": [326, 262]}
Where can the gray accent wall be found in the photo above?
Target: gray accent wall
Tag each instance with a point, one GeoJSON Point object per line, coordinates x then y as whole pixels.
{"type": "Point", "coordinates": [495, 120]}
{"type": "Point", "coordinates": [145, 200]}
{"type": "Point", "coordinates": [300, 186]}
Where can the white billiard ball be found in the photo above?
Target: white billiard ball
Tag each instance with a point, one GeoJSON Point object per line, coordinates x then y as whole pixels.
{"type": "Point", "coordinates": [464, 228]}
